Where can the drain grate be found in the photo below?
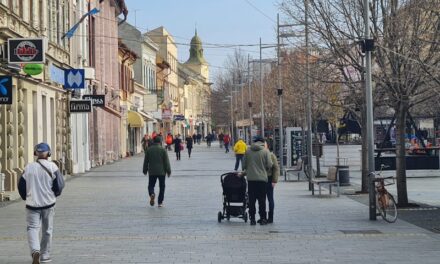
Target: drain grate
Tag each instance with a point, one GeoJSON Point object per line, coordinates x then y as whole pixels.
{"type": "Point", "coordinates": [362, 232]}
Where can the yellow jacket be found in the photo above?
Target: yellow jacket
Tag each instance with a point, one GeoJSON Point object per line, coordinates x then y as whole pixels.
{"type": "Point", "coordinates": [240, 147]}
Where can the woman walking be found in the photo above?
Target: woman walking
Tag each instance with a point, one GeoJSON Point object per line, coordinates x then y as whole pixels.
{"type": "Point", "coordinates": [272, 179]}
{"type": "Point", "coordinates": [189, 145]}
{"type": "Point", "coordinates": [177, 146]}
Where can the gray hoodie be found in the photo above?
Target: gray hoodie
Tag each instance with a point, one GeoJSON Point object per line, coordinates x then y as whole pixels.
{"type": "Point", "coordinates": [257, 162]}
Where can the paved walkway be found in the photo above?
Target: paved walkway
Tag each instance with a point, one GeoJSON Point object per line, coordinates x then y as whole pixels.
{"type": "Point", "coordinates": [103, 217]}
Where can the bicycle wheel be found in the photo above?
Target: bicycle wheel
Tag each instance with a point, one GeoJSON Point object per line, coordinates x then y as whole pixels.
{"type": "Point", "coordinates": [387, 207]}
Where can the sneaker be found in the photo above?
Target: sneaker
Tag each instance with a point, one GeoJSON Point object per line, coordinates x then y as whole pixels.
{"type": "Point", "coordinates": [46, 260]}
{"type": "Point", "coordinates": [152, 199]}
{"type": "Point", "coordinates": [160, 205]}
{"type": "Point", "coordinates": [263, 222]}
{"type": "Point", "coordinates": [253, 222]}
{"type": "Point", "coordinates": [36, 257]}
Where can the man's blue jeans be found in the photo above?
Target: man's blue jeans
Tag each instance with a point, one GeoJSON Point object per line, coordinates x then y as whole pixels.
{"type": "Point", "coordinates": [238, 159]}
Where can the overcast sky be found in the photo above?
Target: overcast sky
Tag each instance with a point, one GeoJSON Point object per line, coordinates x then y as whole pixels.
{"type": "Point", "coordinates": [218, 22]}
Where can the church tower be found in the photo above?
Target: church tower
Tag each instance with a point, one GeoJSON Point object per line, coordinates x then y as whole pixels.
{"type": "Point", "coordinates": [196, 61]}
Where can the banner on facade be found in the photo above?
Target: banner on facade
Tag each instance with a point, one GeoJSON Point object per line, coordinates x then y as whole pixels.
{"type": "Point", "coordinates": [80, 106]}
{"type": "Point", "coordinates": [26, 50]}
{"type": "Point", "coordinates": [97, 100]}
{"type": "Point", "coordinates": [5, 90]}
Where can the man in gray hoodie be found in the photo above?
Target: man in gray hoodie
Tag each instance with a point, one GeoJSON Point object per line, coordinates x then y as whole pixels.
{"type": "Point", "coordinates": [256, 163]}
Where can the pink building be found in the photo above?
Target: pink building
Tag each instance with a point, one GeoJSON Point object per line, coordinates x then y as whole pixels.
{"type": "Point", "coordinates": [105, 121]}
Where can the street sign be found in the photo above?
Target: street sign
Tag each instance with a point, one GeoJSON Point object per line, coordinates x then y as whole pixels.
{"type": "Point", "coordinates": [5, 90]}
{"type": "Point", "coordinates": [80, 106]}
{"type": "Point", "coordinates": [26, 50]}
{"type": "Point", "coordinates": [74, 78]}
{"type": "Point", "coordinates": [97, 100]}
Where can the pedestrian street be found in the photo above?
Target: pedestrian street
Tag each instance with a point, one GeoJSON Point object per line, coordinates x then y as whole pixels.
{"type": "Point", "coordinates": [103, 216]}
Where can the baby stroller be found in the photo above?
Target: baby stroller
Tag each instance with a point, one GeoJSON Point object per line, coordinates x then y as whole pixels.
{"type": "Point", "coordinates": [235, 197]}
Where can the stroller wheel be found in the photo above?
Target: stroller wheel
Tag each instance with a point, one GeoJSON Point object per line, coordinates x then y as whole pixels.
{"type": "Point", "coordinates": [220, 217]}
{"type": "Point", "coordinates": [245, 217]}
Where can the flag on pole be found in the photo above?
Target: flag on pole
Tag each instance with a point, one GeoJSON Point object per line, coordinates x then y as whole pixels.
{"type": "Point", "coordinates": [71, 31]}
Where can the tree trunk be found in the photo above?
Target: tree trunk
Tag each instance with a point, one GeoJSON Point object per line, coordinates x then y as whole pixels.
{"type": "Point", "coordinates": [402, 193]}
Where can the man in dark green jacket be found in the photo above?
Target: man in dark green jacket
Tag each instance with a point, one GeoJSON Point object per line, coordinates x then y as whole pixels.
{"type": "Point", "coordinates": [256, 163]}
{"type": "Point", "coordinates": [156, 165]}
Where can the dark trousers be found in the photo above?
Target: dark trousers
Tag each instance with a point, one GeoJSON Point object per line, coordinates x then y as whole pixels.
{"type": "Point", "coordinates": [227, 147]}
{"type": "Point", "coordinates": [189, 152]}
{"type": "Point", "coordinates": [178, 155]}
{"type": "Point", "coordinates": [238, 159]}
{"type": "Point", "coordinates": [152, 183]}
{"type": "Point", "coordinates": [269, 195]}
{"type": "Point", "coordinates": [257, 191]}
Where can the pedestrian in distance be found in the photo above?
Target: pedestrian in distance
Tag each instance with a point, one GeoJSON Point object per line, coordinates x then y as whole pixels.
{"type": "Point", "coordinates": [169, 140]}
{"type": "Point", "coordinates": [178, 146]}
{"type": "Point", "coordinates": [209, 140]}
{"type": "Point", "coordinates": [256, 163]}
{"type": "Point", "coordinates": [226, 141]}
{"type": "Point", "coordinates": [272, 178]}
{"type": "Point", "coordinates": [240, 149]}
{"type": "Point", "coordinates": [39, 185]}
{"type": "Point", "coordinates": [194, 137]}
{"type": "Point", "coordinates": [189, 145]}
{"type": "Point", "coordinates": [145, 141]}
{"type": "Point", "coordinates": [156, 165]}
{"type": "Point", "coordinates": [199, 138]}
{"type": "Point", "coordinates": [220, 140]}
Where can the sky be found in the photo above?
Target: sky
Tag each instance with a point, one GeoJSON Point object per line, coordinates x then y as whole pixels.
{"type": "Point", "coordinates": [217, 22]}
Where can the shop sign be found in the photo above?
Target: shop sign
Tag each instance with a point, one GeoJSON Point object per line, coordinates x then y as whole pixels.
{"type": "Point", "coordinates": [97, 100]}
{"type": "Point", "coordinates": [166, 114]}
{"type": "Point", "coordinates": [179, 117]}
{"type": "Point", "coordinates": [5, 90]}
{"type": "Point", "coordinates": [74, 78]}
{"type": "Point", "coordinates": [80, 106]}
{"type": "Point", "coordinates": [26, 50]}
{"type": "Point", "coordinates": [33, 69]}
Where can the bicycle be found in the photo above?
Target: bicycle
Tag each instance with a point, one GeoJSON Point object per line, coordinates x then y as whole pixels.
{"type": "Point", "coordinates": [385, 203]}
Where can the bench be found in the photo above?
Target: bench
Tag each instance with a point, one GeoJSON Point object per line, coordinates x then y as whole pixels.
{"type": "Point", "coordinates": [330, 180]}
{"type": "Point", "coordinates": [298, 169]}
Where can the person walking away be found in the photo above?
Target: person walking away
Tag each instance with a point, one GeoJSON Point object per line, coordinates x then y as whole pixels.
{"type": "Point", "coordinates": [156, 165]}
{"type": "Point", "coordinates": [239, 148]}
{"type": "Point", "coordinates": [199, 138]}
{"type": "Point", "coordinates": [256, 163]}
{"type": "Point", "coordinates": [177, 146]}
{"type": "Point", "coordinates": [209, 140]}
{"type": "Point", "coordinates": [169, 141]}
{"type": "Point", "coordinates": [39, 185]}
{"type": "Point", "coordinates": [189, 144]}
{"type": "Point", "coordinates": [144, 142]}
{"type": "Point", "coordinates": [220, 140]}
{"type": "Point", "coordinates": [272, 179]}
{"type": "Point", "coordinates": [194, 138]}
{"type": "Point", "coordinates": [226, 141]}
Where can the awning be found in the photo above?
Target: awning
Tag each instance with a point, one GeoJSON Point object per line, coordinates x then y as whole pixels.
{"type": "Point", "coordinates": [147, 116]}
{"type": "Point", "coordinates": [135, 119]}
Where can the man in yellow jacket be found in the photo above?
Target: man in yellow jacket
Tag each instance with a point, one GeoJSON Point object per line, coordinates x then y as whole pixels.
{"type": "Point", "coordinates": [239, 148]}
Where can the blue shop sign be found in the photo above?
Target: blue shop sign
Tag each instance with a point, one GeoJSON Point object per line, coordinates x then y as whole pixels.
{"type": "Point", "coordinates": [74, 78]}
{"type": "Point", "coordinates": [56, 74]}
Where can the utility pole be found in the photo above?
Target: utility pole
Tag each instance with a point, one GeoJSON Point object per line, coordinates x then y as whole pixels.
{"type": "Point", "coordinates": [250, 101]}
{"type": "Point", "coordinates": [368, 43]}
{"type": "Point", "coordinates": [280, 98]}
{"type": "Point", "coordinates": [261, 91]}
{"type": "Point", "coordinates": [309, 98]}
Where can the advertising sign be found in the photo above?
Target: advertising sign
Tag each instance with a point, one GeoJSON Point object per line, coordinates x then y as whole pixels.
{"type": "Point", "coordinates": [26, 50]}
{"type": "Point", "coordinates": [166, 114]}
{"type": "Point", "coordinates": [5, 90]}
{"type": "Point", "coordinates": [97, 100]}
{"type": "Point", "coordinates": [56, 74]}
{"type": "Point", "coordinates": [179, 117]}
{"type": "Point", "coordinates": [74, 78]}
{"type": "Point", "coordinates": [80, 106]}
{"type": "Point", "coordinates": [33, 69]}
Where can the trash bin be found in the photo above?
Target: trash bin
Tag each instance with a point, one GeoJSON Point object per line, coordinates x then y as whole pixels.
{"type": "Point", "coordinates": [343, 175]}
